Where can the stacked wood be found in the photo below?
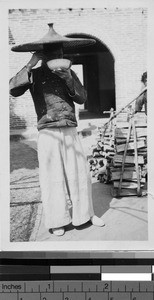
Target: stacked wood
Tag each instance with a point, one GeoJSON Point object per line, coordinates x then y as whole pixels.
{"type": "Point", "coordinates": [107, 140]}
{"type": "Point", "coordinates": [105, 143]}
{"type": "Point", "coordinates": [130, 156]}
{"type": "Point", "coordinates": [96, 155]}
{"type": "Point", "coordinates": [103, 152]}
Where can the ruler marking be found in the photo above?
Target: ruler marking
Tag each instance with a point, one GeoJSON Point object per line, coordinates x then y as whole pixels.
{"type": "Point", "coordinates": [114, 287]}
{"type": "Point", "coordinates": [82, 286]}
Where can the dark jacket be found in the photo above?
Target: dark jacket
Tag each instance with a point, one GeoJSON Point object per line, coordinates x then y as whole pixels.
{"type": "Point", "coordinates": [54, 104]}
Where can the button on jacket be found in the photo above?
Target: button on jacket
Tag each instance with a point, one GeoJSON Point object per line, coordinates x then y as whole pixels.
{"type": "Point", "coordinates": [53, 101]}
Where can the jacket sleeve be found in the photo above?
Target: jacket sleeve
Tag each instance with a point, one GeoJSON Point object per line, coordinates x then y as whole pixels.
{"type": "Point", "coordinates": [20, 83]}
{"type": "Point", "coordinates": [80, 95]}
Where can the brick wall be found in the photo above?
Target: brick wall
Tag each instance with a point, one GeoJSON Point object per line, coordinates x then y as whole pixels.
{"type": "Point", "coordinates": [122, 30]}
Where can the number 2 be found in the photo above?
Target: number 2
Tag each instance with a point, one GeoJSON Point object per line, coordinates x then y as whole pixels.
{"type": "Point", "coordinates": [106, 285]}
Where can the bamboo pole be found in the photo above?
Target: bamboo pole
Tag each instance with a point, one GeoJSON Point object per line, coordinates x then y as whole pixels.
{"type": "Point", "coordinates": [116, 114]}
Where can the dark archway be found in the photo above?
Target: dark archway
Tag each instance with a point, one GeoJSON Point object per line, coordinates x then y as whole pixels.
{"type": "Point", "coordinates": [98, 77]}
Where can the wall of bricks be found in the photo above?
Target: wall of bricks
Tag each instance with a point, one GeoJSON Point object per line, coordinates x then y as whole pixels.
{"type": "Point", "coordinates": [122, 30]}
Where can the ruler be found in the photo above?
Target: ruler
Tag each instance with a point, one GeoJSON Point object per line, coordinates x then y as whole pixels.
{"type": "Point", "coordinates": [76, 290]}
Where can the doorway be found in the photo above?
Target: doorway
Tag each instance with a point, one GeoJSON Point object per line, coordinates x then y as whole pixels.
{"type": "Point", "coordinates": [97, 76]}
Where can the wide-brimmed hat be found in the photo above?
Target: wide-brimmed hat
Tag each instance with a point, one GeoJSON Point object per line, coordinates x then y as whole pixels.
{"type": "Point", "coordinates": [51, 39]}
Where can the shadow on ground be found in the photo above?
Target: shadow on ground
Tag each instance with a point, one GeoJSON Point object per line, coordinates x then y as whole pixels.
{"type": "Point", "coordinates": [24, 191]}
{"type": "Point", "coordinates": [22, 156]}
{"type": "Point", "coordinates": [102, 197]}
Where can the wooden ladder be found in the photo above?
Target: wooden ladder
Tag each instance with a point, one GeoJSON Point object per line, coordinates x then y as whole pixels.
{"type": "Point", "coordinates": [130, 128]}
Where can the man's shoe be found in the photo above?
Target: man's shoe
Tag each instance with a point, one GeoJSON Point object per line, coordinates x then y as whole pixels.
{"type": "Point", "coordinates": [58, 231]}
{"type": "Point", "coordinates": [96, 221]}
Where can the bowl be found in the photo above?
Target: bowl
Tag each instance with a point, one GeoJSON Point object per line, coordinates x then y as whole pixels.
{"type": "Point", "coordinates": [58, 64]}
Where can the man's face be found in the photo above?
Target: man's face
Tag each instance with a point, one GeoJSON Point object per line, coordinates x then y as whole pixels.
{"type": "Point", "coordinates": [48, 55]}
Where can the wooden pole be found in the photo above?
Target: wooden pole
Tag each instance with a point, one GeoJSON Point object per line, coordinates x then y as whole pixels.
{"type": "Point", "coordinates": [124, 157]}
{"type": "Point", "coordinates": [116, 114]}
{"type": "Point", "coordinates": [136, 161]}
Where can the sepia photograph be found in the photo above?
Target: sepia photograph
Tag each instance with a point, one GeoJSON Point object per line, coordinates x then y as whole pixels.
{"type": "Point", "coordinates": [78, 125]}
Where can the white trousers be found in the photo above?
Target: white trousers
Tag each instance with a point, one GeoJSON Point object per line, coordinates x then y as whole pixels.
{"type": "Point", "coordinates": [63, 173]}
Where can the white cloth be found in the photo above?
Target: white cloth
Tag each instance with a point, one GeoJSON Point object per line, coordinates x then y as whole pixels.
{"type": "Point", "coordinates": [64, 172]}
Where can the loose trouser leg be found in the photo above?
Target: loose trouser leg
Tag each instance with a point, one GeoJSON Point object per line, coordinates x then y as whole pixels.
{"type": "Point", "coordinates": [52, 181]}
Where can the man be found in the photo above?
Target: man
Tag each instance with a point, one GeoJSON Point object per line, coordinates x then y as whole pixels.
{"type": "Point", "coordinates": [142, 99]}
{"type": "Point", "coordinates": [63, 169]}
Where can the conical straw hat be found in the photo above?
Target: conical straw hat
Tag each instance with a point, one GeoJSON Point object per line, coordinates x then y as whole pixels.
{"type": "Point", "coordinates": [51, 39]}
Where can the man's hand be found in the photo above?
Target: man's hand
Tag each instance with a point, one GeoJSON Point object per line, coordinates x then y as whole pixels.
{"type": "Point", "coordinates": [34, 60]}
{"type": "Point", "coordinates": [66, 75]}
